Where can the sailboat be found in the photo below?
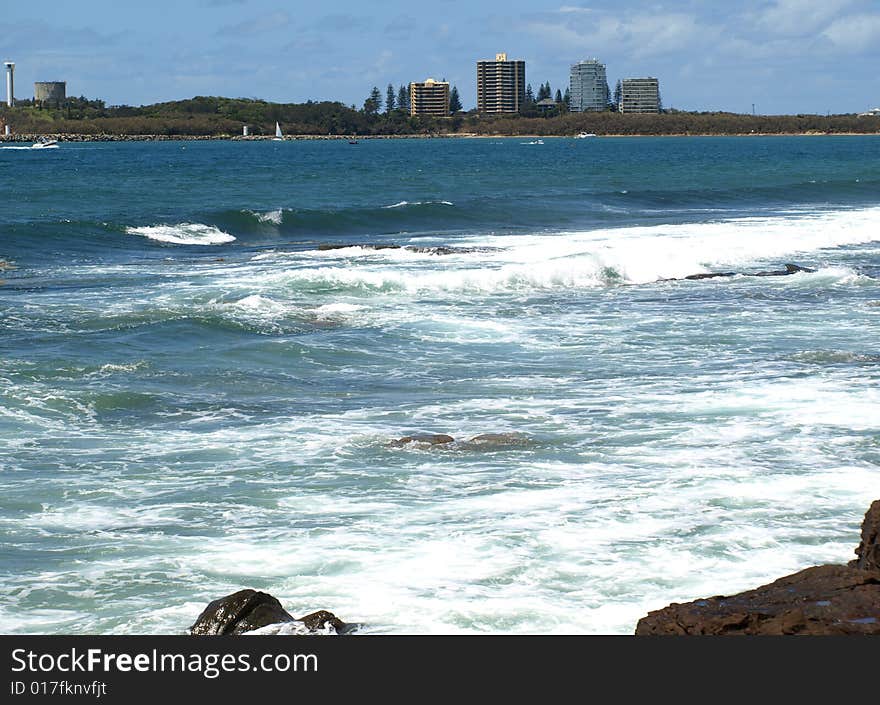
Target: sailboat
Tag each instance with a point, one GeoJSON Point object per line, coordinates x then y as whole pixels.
{"type": "Point", "coordinates": [278, 136]}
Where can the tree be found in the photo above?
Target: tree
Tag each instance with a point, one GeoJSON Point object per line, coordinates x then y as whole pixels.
{"type": "Point", "coordinates": [558, 96]}
{"type": "Point", "coordinates": [530, 96]}
{"type": "Point", "coordinates": [389, 99]}
{"type": "Point", "coordinates": [567, 98]}
{"type": "Point", "coordinates": [374, 102]}
{"type": "Point", "coordinates": [403, 98]}
{"type": "Point", "coordinates": [454, 101]}
{"type": "Point", "coordinates": [618, 93]}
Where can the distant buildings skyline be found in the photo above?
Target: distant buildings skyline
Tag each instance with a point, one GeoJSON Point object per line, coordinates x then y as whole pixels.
{"type": "Point", "coordinates": [501, 85]}
{"type": "Point", "coordinates": [429, 97]}
{"type": "Point", "coordinates": [588, 83]}
{"type": "Point", "coordinates": [708, 56]}
{"type": "Point", "coordinates": [639, 95]}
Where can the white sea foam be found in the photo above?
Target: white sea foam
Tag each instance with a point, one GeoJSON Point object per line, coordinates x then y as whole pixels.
{"type": "Point", "coordinates": [635, 255]}
{"type": "Point", "coordinates": [275, 217]}
{"type": "Point", "coordinates": [183, 234]}
{"type": "Point", "coordinates": [336, 309]}
{"type": "Point", "coordinates": [295, 628]}
{"type": "Point", "coordinates": [402, 204]}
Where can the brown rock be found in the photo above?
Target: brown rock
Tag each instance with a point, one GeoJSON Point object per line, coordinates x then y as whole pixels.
{"type": "Point", "coordinates": [868, 551]}
{"type": "Point", "coordinates": [827, 599]}
{"type": "Point", "coordinates": [431, 439]}
{"type": "Point", "coordinates": [240, 612]}
{"type": "Point", "coordinates": [318, 621]}
{"type": "Point", "coordinates": [247, 610]}
{"type": "Point", "coordinates": [499, 440]}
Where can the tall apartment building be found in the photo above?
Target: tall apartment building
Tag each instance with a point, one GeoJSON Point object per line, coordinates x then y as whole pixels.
{"type": "Point", "coordinates": [429, 97]}
{"type": "Point", "coordinates": [639, 95]}
{"type": "Point", "coordinates": [501, 85]}
{"type": "Point", "coordinates": [588, 86]}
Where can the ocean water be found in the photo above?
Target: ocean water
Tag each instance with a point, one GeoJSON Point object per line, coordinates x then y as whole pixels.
{"type": "Point", "coordinates": [197, 398]}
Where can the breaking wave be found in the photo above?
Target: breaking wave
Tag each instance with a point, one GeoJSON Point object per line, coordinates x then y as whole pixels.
{"type": "Point", "coordinates": [183, 234]}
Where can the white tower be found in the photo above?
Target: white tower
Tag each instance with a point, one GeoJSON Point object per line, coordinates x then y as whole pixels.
{"type": "Point", "coordinates": [10, 87]}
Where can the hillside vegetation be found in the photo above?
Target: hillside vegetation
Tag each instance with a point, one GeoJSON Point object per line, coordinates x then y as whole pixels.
{"type": "Point", "coordinates": [215, 116]}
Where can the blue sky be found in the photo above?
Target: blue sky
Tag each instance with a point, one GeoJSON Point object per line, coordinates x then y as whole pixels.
{"type": "Point", "coordinates": [785, 56]}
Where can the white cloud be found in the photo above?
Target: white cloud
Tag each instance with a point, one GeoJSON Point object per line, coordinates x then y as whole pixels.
{"type": "Point", "coordinates": [799, 17]}
{"type": "Point", "coordinates": [855, 33]}
{"type": "Point", "coordinates": [638, 34]}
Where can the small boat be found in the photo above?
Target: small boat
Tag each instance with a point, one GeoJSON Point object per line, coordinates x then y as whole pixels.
{"type": "Point", "coordinates": [352, 141]}
{"type": "Point", "coordinates": [45, 143]}
{"type": "Point", "coordinates": [584, 135]}
{"type": "Point", "coordinates": [278, 136]}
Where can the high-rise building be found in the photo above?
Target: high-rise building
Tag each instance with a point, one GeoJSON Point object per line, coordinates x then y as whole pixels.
{"type": "Point", "coordinates": [589, 86]}
{"type": "Point", "coordinates": [429, 97]}
{"type": "Point", "coordinates": [501, 85]}
{"type": "Point", "coordinates": [639, 95]}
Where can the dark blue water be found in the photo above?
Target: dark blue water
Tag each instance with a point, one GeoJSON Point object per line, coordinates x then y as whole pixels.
{"type": "Point", "coordinates": [198, 397]}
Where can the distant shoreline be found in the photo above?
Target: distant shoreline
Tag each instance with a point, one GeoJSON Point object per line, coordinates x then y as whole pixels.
{"type": "Point", "coordinates": [63, 137]}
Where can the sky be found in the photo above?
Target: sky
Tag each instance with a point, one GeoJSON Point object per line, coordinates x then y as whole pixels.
{"type": "Point", "coordinates": [783, 56]}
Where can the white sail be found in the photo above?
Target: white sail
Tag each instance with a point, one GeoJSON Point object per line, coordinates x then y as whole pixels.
{"type": "Point", "coordinates": [278, 134]}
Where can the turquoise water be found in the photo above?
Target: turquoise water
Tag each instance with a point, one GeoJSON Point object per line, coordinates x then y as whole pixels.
{"type": "Point", "coordinates": [197, 398]}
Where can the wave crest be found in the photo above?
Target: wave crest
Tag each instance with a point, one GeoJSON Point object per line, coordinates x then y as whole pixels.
{"type": "Point", "coordinates": [183, 234]}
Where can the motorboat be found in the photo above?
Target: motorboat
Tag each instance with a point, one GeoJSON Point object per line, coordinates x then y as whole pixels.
{"type": "Point", "coordinates": [45, 143]}
{"type": "Point", "coordinates": [584, 135]}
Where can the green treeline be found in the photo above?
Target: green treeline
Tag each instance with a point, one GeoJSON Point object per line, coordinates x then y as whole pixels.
{"type": "Point", "coordinates": [214, 116]}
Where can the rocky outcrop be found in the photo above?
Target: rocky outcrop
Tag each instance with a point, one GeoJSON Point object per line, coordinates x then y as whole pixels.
{"type": "Point", "coordinates": [789, 269]}
{"type": "Point", "coordinates": [437, 250]}
{"type": "Point", "coordinates": [827, 599]}
{"type": "Point", "coordinates": [424, 439]}
{"type": "Point", "coordinates": [248, 610]}
{"type": "Point", "coordinates": [498, 440]}
{"type": "Point", "coordinates": [868, 551]}
{"type": "Point", "coordinates": [485, 441]}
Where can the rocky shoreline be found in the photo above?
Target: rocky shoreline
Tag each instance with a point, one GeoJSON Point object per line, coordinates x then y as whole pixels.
{"type": "Point", "coordinates": [822, 600]}
{"type": "Point", "coordinates": [74, 137]}
{"type": "Point", "coordinates": [68, 137]}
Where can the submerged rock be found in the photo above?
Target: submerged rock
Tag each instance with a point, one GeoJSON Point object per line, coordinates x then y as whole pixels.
{"type": "Point", "coordinates": [789, 269]}
{"type": "Point", "coordinates": [422, 249]}
{"type": "Point", "coordinates": [498, 440]}
{"type": "Point", "coordinates": [446, 250]}
{"type": "Point", "coordinates": [430, 439]}
{"type": "Point", "coordinates": [827, 599]}
{"type": "Point", "coordinates": [363, 246]}
{"type": "Point", "coordinates": [249, 611]}
{"type": "Point", "coordinates": [708, 275]}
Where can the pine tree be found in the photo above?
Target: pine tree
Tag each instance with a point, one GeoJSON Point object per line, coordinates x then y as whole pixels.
{"type": "Point", "coordinates": [454, 101]}
{"type": "Point", "coordinates": [403, 98]}
{"type": "Point", "coordinates": [389, 99]}
{"type": "Point", "coordinates": [558, 96]}
{"type": "Point", "coordinates": [373, 102]}
{"type": "Point", "coordinates": [567, 98]}
{"type": "Point", "coordinates": [530, 96]}
{"type": "Point", "coordinates": [618, 92]}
